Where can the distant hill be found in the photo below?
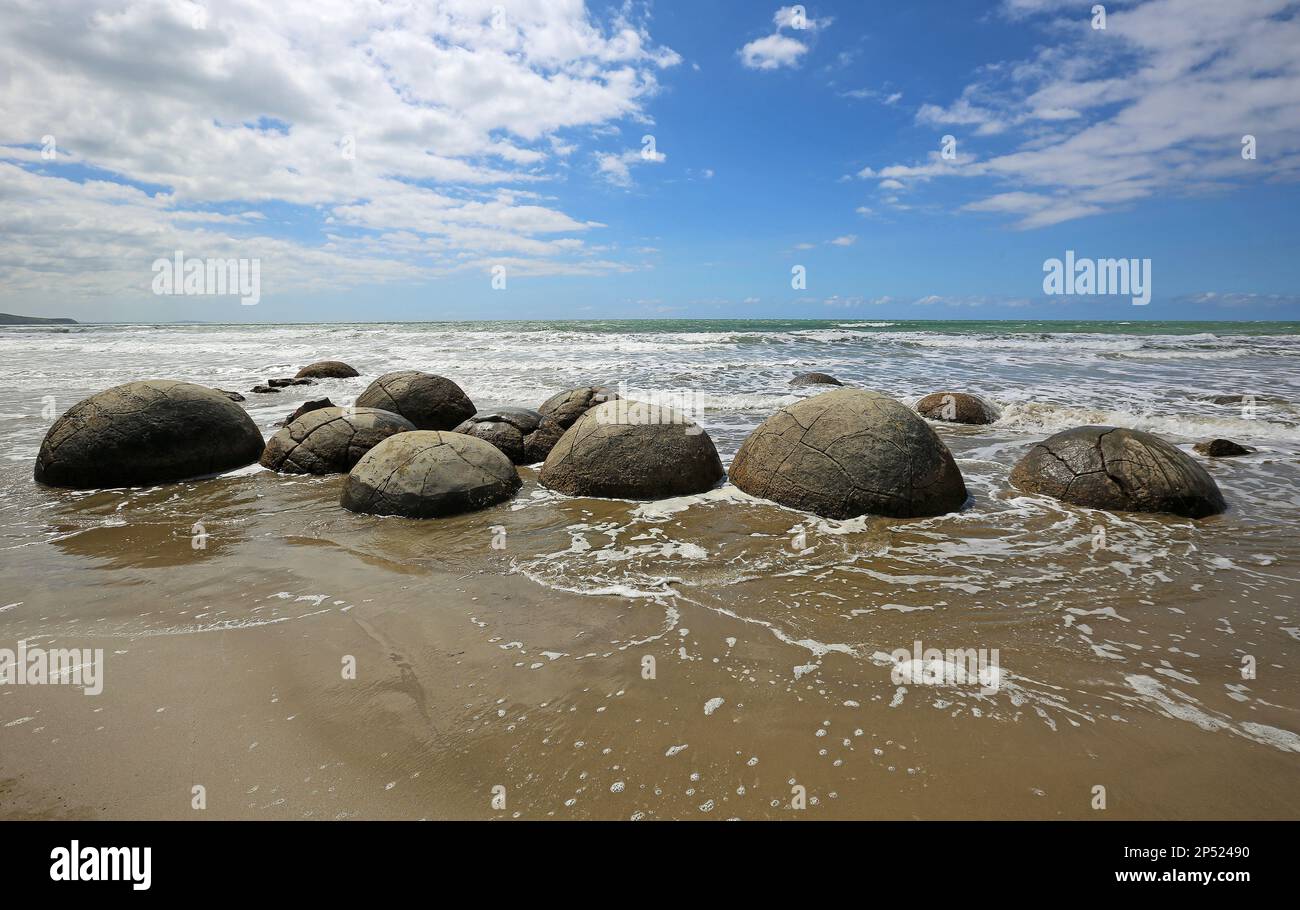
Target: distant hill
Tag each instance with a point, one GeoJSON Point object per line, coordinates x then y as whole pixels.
{"type": "Point", "coordinates": [10, 319]}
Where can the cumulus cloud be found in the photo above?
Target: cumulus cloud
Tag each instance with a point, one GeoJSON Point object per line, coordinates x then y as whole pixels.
{"type": "Point", "coordinates": [1157, 103]}
{"type": "Point", "coordinates": [779, 50]}
{"type": "Point", "coordinates": [412, 136]}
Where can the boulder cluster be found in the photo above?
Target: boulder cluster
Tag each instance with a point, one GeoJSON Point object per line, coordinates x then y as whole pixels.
{"type": "Point", "coordinates": [414, 445]}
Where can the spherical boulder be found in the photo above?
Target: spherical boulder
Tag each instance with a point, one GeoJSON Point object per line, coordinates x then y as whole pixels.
{"type": "Point", "coordinates": [524, 435]}
{"type": "Point", "coordinates": [1118, 469]}
{"type": "Point", "coordinates": [429, 474]}
{"type": "Point", "coordinates": [144, 433]}
{"type": "Point", "coordinates": [957, 407]}
{"type": "Point", "coordinates": [566, 407]}
{"type": "Point", "coordinates": [850, 452]}
{"type": "Point", "coordinates": [807, 379]}
{"type": "Point", "coordinates": [326, 369]}
{"type": "Point", "coordinates": [330, 440]}
{"type": "Point", "coordinates": [631, 450]}
{"type": "Point", "coordinates": [430, 402]}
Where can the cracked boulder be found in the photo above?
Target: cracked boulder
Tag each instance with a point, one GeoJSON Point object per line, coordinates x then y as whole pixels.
{"type": "Point", "coordinates": [807, 379]}
{"type": "Point", "coordinates": [1118, 470]}
{"type": "Point", "coordinates": [566, 407]}
{"type": "Point", "coordinates": [850, 452]}
{"type": "Point", "coordinates": [330, 440]}
{"type": "Point", "coordinates": [144, 433]}
{"type": "Point", "coordinates": [430, 402]}
{"type": "Point", "coordinates": [632, 450]}
{"type": "Point", "coordinates": [428, 474]}
{"type": "Point", "coordinates": [524, 435]}
{"type": "Point", "coordinates": [326, 369]}
{"type": "Point", "coordinates": [957, 407]}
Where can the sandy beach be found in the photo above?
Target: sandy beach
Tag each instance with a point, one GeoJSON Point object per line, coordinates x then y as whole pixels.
{"type": "Point", "coordinates": [523, 665]}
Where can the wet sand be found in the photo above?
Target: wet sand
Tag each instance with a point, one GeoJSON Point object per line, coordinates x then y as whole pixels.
{"type": "Point", "coordinates": [1121, 638]}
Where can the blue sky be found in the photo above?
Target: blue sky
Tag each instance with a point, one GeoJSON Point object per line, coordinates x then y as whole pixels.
{"type": "Point", "coordinates": [510, 136]}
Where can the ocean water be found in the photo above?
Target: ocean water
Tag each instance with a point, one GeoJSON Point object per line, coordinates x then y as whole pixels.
{"type": "Point", "coordinates": [1122, 638]}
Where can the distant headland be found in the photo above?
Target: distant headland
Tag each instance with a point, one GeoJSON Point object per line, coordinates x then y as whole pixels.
{"type": "Point", "coordinates": [10, 319]}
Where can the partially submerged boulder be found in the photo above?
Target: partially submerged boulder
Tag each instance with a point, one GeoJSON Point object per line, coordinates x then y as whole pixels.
{"type": "Point", "coordinates": [264, 390]}
{"type": "Point", "coordinates": [957, 407]}
{"type": "Point", "coordinates": [807, 379]}
{"type": "Point", "coordinates": [428, 474]}
{"type": "Point", "coordinates": [524, 435]}
{"type": "Point", "coordinates": [1120, 470]}
{"type": "Point", "coordinates": [327, 369]}
{"type": "Point", "coordinates": [430, 402]}
{"type": "Point", "coordinates": [631, 450]}
{"type": "Point", "coordinates": [850, 452]}
{"type": "Point", "coordinates": [286, 382]}
{"type": "Point", "coordinates": [144, 433]}
{"type": "Point", "coordinates": [233, 396]}
{"type": "Point", "coordinates": [330, 440]}
{"type": "Point", "coordinates": [1222, 448]}
{"type": "Point", "coordinates": [306, 408]}
{"type": "Point", "coordinates": [566, 407]}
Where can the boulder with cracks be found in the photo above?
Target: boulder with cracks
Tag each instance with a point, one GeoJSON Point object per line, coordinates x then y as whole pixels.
{"type": "Point", "coordinates": [1119, 470]}
{"type": "Point", "coordinates": [330, 440]}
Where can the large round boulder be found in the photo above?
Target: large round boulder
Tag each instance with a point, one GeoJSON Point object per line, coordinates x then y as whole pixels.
{"type": "Point", "coordinates": [957, 407]}
{"type": "Point", "coordinates": [566, 407]}
{"type": "Point", "coordinates": [850, 452]}
{"type": "Point", "coordinates": [330, 440]}
{"type": "Point", "coordinates": [1120, 470]}
{"type": "Point", "coordinates": [809, 379]}
{"type": "Point", "coordinates": [524, 435]}
{"type": "Point", "coordinates": [428, 474]}
{"type": "Point", "coordinates": [631, 450]}
{"type": "Point", "coordinates": [326, 369]}
{"type": "Point", "coordinates": [430, 402]}
{"type": "Point", "coordinates": [144, 433]}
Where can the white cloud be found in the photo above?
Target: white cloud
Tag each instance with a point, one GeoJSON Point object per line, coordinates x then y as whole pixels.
{"type": "Point", "coordinates": [411, 129]}
{"type": "Point", "coordinates": [616, 166]}
{"type": "Point", "coordinates": [779, 50]}
{"type": "Point", "coordinates": [846, 240]}
{"type": "Point", "coordinates": [1157, 103]}
{"type": "Point", "coordinates": [772, 52]}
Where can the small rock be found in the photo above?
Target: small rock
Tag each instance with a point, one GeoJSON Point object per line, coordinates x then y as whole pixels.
{"type": "Point", "coordinates": [327, 369]}
{"type": "Point", "coordinates": [1222, 448]}
{"type": "Point", "coordinates": [264, 390]}
{"type": "Point", "coordinates": [806, 379]}
{"type": "Point", "coordinates": [233, 396]}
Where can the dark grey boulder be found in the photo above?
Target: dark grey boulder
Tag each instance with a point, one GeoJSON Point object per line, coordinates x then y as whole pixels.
{"type": "Point", "coordinates": [630, 450]}
{"type": "Point", "coordinates": [518, 432]}
{"type": "Point", "coordinates": [850, 452]}
{"type": "Point", "coordinates": [957, 407]}
{"type": "Point", "coordinates": [264, 390]}
{"type": "Point", "coordinates": [286, 382]}
{"type": "Point", "coordinates": [330, 440]}
{"type": "Point", "coordinates": [807, 379]}
{"type": "Point", "coordinates": [566, 407]}
{"type": "Point", "coordinates": [430, 402]}
{"type": "Point", "coordinates": [326, 369]}
{"type": "Point", "coordinates": [306, 408]}
{"type": "Point", "coordinates": [233, 396]}
{"type": "Point", "coordinates": [144, 433]}
{"type": "Point", "coordinates": [1222, 448]}
{"type": "Point", "coordinates": [428, 474]}
{"type": "Point", "coordinates": [1119, 470]}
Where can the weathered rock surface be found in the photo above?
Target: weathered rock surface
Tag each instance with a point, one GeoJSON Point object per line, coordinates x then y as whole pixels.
{"type": "Point", "coordinates": [807, 379]}
{"type": "Point", "coordinates": [144, 433]}
{"type": "Point", "coordinates": [1120, 470]}
{"type": "Point", "coordinates": [430, 402]}
{"type": "Point", "coordinates": [957, 407]}
{"type": "Point", "coordinates": [429, 474]}
{"type": "Point", "coordinates": [850, 452]}
{"type": "Point", "coordinates": [630, 450]}
{"type": "Point", "coordinates": [264, 390]}
{"type": "Point", "coordinates": [326, 369]}
{"type": "Point", "coordinates": [330, 440]}
{"type": "Point", "coordinates": [524, 435]}
{"type": "Point", "coordinates": [1222, 448]}
{"type": "Point", "coordinates": [566, 407]}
